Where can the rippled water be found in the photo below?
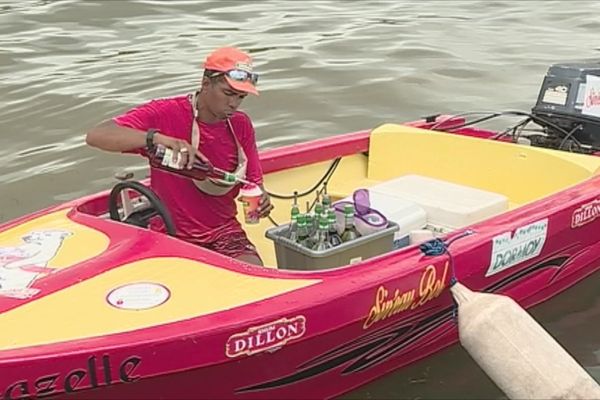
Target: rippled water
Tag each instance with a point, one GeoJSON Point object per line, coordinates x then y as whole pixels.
{"type": "Point", "coordinates": [326, 67]}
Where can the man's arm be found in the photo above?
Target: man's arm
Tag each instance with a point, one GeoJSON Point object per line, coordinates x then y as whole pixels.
{"type": "Point", "coordinates": [112, 137]}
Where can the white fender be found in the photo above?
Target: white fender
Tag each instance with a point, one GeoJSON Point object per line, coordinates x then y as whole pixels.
{"type": "Point", "coordinates": [516, 352]}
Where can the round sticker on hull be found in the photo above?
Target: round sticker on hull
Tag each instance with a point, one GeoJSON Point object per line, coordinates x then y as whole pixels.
{"type": "Point", "coordinates": [138, 296]}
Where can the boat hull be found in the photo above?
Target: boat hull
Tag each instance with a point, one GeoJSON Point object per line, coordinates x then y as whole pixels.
{"type": "Point", "coordinates": [238, 331]}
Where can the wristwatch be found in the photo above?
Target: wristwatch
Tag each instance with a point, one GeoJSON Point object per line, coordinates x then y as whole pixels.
{"type": "Point", "coordinates": [150, 138]}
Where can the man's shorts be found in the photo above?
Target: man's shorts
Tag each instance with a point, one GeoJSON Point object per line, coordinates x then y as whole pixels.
{"type": "Point", "coordinates": [228, 240]}
{"type": "Point", "coordinates": [233, 245]}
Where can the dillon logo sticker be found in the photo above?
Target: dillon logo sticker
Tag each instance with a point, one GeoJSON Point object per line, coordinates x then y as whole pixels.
{"type": "Point", "coordinates": [585, 214]}
{"type": "Point", "coordinates": [525, 244]}
{"type": "Point", "coordinates": [261, 338]}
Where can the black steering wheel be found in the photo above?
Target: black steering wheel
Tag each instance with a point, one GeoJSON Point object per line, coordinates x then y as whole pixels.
{"type": "Point", "coordinates": [140, 218]}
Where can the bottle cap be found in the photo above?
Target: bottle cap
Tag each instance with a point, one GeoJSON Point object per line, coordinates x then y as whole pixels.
{"type": "Point", "coordinates": [229, 177]}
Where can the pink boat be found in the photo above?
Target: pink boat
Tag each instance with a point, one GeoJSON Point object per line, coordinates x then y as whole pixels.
{"type": "Point", "coordinates": [91, 307]}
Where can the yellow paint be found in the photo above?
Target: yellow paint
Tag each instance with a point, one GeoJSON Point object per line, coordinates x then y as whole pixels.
{"type": "Point", "coordinates": [84, 242]}
{"type": "Point", "coordinates": [522, 173]}
{"type": "Point", "coordinates": [81, 311]}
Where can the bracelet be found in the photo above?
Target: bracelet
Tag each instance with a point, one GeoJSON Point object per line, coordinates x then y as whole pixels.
{"type": "Point", "coordinates": [150, 138]}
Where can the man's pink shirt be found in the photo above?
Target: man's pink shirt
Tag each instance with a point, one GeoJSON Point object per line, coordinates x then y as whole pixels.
{"type": "Point", "coordinates": [198, 217]}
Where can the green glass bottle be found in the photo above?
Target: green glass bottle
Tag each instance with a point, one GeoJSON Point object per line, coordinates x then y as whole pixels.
{"type": "Point", "coordinates": [326, 200]}
{"type": "Point", "coordinates": [309, 223]}
{"type": "Point", "coordinates": [292, 233]}
{"type": "Point", "coordinates": [318, 212]}
{"type": "Point", "coordinates": [302, 232]}
{"type": "Point", "coordinates": [350, 232]}
{"type": "Point", "coordinates": [322, 242]}
{"type": "Point", "coordinates": [334, 237]}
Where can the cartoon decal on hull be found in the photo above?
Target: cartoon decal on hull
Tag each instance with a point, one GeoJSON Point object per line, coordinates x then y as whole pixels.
{"type": "Point", "coordinates": [22, 265]}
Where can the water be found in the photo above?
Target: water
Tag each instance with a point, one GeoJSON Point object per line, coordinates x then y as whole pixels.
{"type": "Point", "coordinates": [327, 67]}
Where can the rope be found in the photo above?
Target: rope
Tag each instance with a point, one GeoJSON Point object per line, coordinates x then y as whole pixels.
{"type": "Point", "coordinates": [273, 221]}
{"type": "Point", "coordinates": [324, 180]}
{"type": "Point", "coordinates": [488, 115]}
{"type": "Point", "coordinates": [437, 247]}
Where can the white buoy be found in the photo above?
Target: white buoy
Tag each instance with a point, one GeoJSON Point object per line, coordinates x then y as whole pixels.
{"type": "Point", "coordinates": [516, 352]}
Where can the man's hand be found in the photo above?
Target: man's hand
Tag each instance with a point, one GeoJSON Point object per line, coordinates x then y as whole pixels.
{"type": "Point", "coordinates": [182, 150]}
{"type": "Point", "coordinates": [265, 206]}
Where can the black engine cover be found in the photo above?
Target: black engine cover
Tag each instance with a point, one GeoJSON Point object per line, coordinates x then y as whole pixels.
{"type": "Point", "coordinates": [568, 99]}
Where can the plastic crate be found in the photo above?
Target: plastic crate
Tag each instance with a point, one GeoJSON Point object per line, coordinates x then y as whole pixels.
{"type": "Point", "coordinates": [291, 255]}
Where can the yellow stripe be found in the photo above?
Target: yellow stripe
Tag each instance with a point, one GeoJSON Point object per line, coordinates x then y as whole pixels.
{"type": "Point", "coordinates": [81, 311]}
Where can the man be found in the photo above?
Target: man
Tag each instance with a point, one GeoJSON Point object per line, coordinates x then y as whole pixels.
{"type": "Point", "coordinates": [205, 125]}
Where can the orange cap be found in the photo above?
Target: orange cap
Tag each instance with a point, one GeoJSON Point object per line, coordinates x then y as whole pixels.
{"type": "Point", "coordinates": [228, 58]}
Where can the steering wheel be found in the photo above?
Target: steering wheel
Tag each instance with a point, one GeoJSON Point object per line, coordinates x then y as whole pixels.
{"type": "Point", "coordinates": [140, 218]}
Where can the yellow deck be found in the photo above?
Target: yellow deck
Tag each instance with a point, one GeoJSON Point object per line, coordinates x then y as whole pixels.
{"type": "Point", "coordinates": [81, 311]}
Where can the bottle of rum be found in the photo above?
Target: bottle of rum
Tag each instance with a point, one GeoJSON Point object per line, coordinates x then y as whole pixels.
{"type": "Point", "coordinates": [161, 157]}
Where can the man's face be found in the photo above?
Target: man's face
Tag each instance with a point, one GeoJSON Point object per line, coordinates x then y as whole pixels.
{"type": "Point", "coordinates": [222, 99]}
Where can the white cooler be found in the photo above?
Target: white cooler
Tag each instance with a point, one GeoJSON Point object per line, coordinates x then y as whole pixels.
{"type": "Point", "coordinates": [447, 205]}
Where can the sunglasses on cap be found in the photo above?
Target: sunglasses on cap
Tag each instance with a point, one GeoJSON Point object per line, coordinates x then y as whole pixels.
{"type": "Point", "coordinates": [238, 75]}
